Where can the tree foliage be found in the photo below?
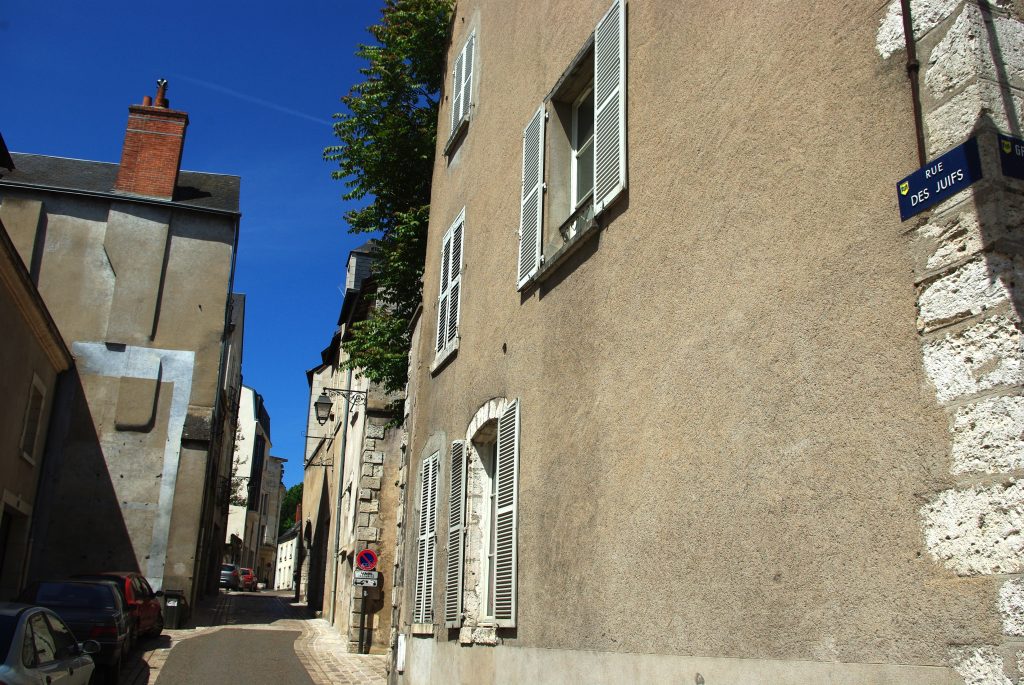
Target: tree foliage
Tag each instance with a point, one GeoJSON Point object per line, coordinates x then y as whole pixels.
{"type": "Point", "coordinates": [387, 137]}
{"type": "Point", "coordinates": [292, 498]}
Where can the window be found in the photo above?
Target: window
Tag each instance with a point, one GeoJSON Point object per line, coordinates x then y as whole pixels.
{"type": "Point", "coordinates": [585, 149]}
{"type": "Point", "coordinates": [423, 610]}
{"type": "Point", "coordinates": [450, 291]}
{"type": "Point", "coordinates": [462, 85]}
{"type": "Point", "coordinates": [488, 513]}
{"type": "Point", "coordinates": [33, 417]}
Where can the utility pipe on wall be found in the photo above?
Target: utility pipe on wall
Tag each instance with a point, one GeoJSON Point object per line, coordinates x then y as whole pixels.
{"type": "Point", "coordinates": [913, 69]}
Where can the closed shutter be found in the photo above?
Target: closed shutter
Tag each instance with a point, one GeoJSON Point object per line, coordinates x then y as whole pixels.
{"type": "Point", "coordinates": [610, 106]}
{"type": "Point", "coordinates": [467, 78]}
{"type": "Point", "coordinates": [460, 62]}
{"type": "Point", "coordinates": [455, 277]}
{"type": "Point", "coordinates": [423, 604]}
{"type": "Point", "coordinates": [456, 526]}
{"type": "Point", "coordinates": [532, 199]}
{"type": "Point", "coordinates": [507, 473]}
{"type": "Point", "coordinates": [442, 296]}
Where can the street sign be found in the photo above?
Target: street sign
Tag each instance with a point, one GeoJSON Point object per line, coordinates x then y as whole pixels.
{"type": "Point", "coordinates": [941, 178]}
{"type": "Point", "coordinates": [1011, 156]}
{"type": "Point", "coordinates": [366, 574]}
{"type": "Point", "coordinates": [367, 560]}
{"type": "Point", "coordinates": [365, 582]}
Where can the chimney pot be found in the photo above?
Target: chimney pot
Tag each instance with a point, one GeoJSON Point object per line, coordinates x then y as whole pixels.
{"type": "Point", "coordinates": [147, 101]}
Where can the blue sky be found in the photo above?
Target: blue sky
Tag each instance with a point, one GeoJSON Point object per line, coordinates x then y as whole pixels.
{"type": "Point", "coordinates": [260, 82]}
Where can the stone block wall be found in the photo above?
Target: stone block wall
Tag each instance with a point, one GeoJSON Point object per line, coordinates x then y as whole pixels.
{"type": "Point", "coordinates": [969, 275]}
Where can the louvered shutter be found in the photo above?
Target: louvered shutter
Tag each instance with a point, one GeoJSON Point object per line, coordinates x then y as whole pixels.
{"type": "Point", "coordinates": [610, 106]}
{"type": "Point", "coordinates": [467, 78]}
{"type": "Point", "coordinates": [507, 473]}
{"type": "Point", "coordinates": [422, 606]}
{"type": "Point", "coordinates": [455, 278]}
{"type": "Point", "coordinates": [457, 89]}
{"type": "Point", "coordinates": [532, 199]}
{"type": "Point", "coordinates": [456, 528]}
{"type": "Point", "coordinates": [442, 296]}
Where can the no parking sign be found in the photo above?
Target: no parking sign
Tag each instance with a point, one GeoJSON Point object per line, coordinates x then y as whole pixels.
{"type": "Point", "coordinates": [366, 560]}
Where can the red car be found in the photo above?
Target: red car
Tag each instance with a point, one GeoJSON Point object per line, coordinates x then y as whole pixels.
{"type": "Point", "coordinates": [143, 604]}
{"type": "Point", "coordinates": [248, 579]}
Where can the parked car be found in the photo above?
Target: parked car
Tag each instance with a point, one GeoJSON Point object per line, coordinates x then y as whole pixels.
{"type": "Point", "coordinates": [230, 577]}
{"type": "Point", "coordinates": [147, 616]}
{"type": "Point", "coordinates": [38, 647]}
{"type": "Point", "coordinates": [94, 611]}
{"type": "Point", "coordinates": [249, 581]}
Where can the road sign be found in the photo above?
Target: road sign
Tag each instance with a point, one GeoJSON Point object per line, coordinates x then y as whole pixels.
{"type": "Point", "coordinates": [366, 560]}
{"type": "Point", "coordinates": [1011, 156]}
{"type": "Point", "coordinates": [365, 582]}
{"type": "Point", "coordinates": [366, 574]}
{"type": "Point", "coordinates": [941, 178]}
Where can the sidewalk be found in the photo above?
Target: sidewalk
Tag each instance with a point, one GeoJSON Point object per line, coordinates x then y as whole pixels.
{"type": "Point", "coordinates": [320, 648]}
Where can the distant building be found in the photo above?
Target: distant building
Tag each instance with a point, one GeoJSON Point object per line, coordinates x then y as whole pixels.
{"type": "Point", "coordinates": [270, 518]}
{"type": "Point", "coordinates": [287, 557]}
{"type": "Point", "coordinates": [35, 363]}
{"type": "Point", "coordinates": [135, 262]}
{"type": "Point", "coordinates": [247, 518]}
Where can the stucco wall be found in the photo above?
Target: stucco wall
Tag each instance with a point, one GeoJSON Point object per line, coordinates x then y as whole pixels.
{"type": "Point", "coordinates": [727, 429]}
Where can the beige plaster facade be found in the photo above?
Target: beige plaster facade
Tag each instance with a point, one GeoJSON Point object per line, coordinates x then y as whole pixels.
{"type": "Point", "coordinates": [763, 431]}
{"type": "Point", "coordinates": [36, 366]}
{"type": "Point", "coordinates": [139, 286]}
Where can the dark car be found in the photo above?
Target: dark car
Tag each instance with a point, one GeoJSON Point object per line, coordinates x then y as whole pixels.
{"type": "Point", "coordinates": [143, 604]}
{"type": "Point", "coordinates": [94, 611]}
{"type": "Point", "coordinates": [37, 647]}
{"type": "Point", "coordinates": [230, 577]}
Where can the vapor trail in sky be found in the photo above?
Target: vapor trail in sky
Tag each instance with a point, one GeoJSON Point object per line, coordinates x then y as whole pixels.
{"type": "Point", "coordinates": [249, 98]}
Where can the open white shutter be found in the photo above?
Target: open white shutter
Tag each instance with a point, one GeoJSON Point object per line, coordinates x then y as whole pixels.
{"type": "Point", "coordinates": [455, 278]}
{"type": "Point", "coordinates": [467, 79]}
{"type": "Point", "coordinates": [456, 528]}
{"type": "Point", "coordinates": [610, 106]}
{"type": "Point", "coordinates": [457, 89]}
{"type": "Point", "coordinates": [423, 604]}
{"type": "Point", "coordinates": [442, 295]}
{"type": "Point", "coordinates": [532, 199]}
{"type": "Point", "coordinates": [507, 473]}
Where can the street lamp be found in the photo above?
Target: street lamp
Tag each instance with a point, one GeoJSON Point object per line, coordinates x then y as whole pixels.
{"type": "Point", "coordinates": [323, 407]}
{"type": "Point", "coordinates": [324, 404]}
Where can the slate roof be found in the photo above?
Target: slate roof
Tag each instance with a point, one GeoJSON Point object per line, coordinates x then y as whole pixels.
{"type": "Point", "coordinates": [195, 189]}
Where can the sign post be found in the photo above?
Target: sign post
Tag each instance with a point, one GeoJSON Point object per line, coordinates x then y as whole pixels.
{"type": "Point", "coordinates": [368, 579]}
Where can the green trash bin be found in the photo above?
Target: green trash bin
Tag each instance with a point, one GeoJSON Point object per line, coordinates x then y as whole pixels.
{"type": "Point", "coordinates": [175, 609]}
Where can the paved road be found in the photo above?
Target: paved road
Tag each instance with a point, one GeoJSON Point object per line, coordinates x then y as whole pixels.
{"type": "Point", "coordinates": [254, 639]}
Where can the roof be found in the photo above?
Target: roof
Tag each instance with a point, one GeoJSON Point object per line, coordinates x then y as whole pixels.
{"type": "Point", "coordinates": [196, 189]}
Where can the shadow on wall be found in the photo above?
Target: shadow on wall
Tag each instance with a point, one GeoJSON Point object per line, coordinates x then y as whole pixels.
{"type": "Point", "coordinates": [318, 553]}
{"type": "Point", "coordinates": [76, 499]}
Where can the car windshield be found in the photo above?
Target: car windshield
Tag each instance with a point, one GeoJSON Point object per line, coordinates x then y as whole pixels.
{"type": "Point", "coordinates": [7, 626]}
{"type": "Point", "coordinates": [227, 568]}
{"type": "Point", "coordinates": [75, 595]}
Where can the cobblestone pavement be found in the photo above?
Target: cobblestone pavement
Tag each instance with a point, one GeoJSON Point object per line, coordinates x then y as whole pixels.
{"type": "Point", "coordinates": [319, 648]}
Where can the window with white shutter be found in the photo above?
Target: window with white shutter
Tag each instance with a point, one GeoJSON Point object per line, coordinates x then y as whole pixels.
{"type": "Point", "coordinates": [462, 90]}
{"type": "Point", "coordinates": [450, 292]}
{"type": "Point", "coordinates": [456, 535]}
{"type": "Point", "coordinates": [423, 610]}
{"type": "Point", "coordinates": [584, 147]}
{"type": "Point", "coordinates": [506, 476]}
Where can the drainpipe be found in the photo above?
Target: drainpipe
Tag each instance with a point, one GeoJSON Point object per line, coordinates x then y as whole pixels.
{"type": "Point", "coordinates": [337, 504]}
{"type": "Point", "coordinates": [913, 69]}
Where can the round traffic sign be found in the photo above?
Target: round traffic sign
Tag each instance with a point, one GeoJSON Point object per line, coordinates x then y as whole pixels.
{"type": "Point", "coordinates": [366, 560]}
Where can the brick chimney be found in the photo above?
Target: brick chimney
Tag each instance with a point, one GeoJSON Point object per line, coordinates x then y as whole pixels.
{"type": "Point", "coordinates": [153, 143]}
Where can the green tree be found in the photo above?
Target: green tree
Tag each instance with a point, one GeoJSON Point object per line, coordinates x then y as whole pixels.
{"type": "Point", "coordinates": [292, 498]}
{"type": "Point", "coordinates": [386, 153]}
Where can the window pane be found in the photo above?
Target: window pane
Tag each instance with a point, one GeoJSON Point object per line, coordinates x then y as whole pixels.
{"type": "Point", "coordinates": [585, 172]}
{"type": "Point", "coordinates": [584, 120]}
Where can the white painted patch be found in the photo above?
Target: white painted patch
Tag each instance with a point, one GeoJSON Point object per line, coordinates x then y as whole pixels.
{"type": "Point", "coordinates": [966, 52]}
{"type": "Point", "coordinates": [987, 436]}
{"type": "Point", "coordinates": [927, 15]}
{"type": "Point", "coordinates": [970, 289]}
{"type": "Point", "coordinates": [1011, 606]}
{"type": "Point", "coordinates": [171, 366]}
{"type": "Point", "coordinates": [954, 122]}
{"type": "Point", "coordinates": [984, 356]}
{"type": "Point", "coordinates": [979, 666]}
{"type": "Point", "coordinates": [977, 531]}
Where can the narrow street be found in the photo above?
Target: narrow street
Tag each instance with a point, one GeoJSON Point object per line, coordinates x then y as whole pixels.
{"type": "Point", "coordinates": [253, 638]}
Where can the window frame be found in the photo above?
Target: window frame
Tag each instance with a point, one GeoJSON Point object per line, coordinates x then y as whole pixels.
{"type": "Point", "coordinates": [575, 147]}
{"type": "Point", "coordinates": [447, 333]}
{"type": "Point", "coordinates": [462, 93]}
{"type": "Point", "coordinates": [37, 387]}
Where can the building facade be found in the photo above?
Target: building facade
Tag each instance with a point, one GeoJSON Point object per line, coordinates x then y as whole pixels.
{"type": "Point", "coordinates": [252, 468]}
{"type": "Point", "coordinates": [349, 497]}
{"type": "Point", "coordinates": [135, 262]}
{"type": "Point", "coordinates": [270, 520]}
{"type": "Point", "coordinates": [689, 401]}
{"type": "Point", "coordinates": [287, 559]}
{"type": "Point", "coordinates": [37, 366]}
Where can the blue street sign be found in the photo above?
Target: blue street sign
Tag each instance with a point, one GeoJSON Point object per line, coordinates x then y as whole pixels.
{"type": "Point", "coordinates": [941, 178]}
{"type": "Point", "coordinates": [1011, 155]}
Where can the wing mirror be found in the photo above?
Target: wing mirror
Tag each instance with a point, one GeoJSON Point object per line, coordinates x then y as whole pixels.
{"type": "Point", "coordinates": [91, 647]}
